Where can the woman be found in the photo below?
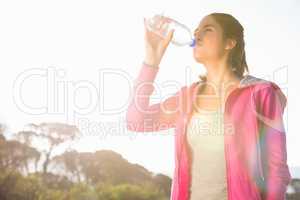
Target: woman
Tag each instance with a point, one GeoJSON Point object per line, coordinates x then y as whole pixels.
{"type": "Point", "coordinates": [248, 159]}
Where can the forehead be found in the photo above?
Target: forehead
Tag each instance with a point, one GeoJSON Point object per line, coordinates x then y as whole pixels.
{"type": "Point", "coordinates": [206, 21]}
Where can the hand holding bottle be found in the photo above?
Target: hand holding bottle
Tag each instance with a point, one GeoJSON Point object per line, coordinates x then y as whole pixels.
{"type": "Point", "coordinates": [156, 45]}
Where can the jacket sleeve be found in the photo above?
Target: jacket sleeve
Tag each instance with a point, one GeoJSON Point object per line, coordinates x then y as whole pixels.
{"type": "Point", "coordinates": [141, 116]}
{"type": "Point", "coordinates": [273, 142]}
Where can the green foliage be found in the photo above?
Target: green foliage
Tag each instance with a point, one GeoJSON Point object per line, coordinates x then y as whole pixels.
{"type": "Point", "coordinates": [129, 192]}
{"type": "Point", "coordinates": [100, 175]}
{"type": "Point", "coordinates": [82, 192]}
{"type": "Point", "coordinates": [16, 187]}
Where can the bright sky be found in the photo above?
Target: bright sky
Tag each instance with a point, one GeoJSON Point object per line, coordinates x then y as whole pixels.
{"type": "Point", "coordinates": [74, 62]}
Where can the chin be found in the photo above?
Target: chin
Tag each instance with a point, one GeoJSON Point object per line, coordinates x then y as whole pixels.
{"type": "Point", "coordinates": [197, 56]}
{"type": "Point", "coordinates": [198, 59]}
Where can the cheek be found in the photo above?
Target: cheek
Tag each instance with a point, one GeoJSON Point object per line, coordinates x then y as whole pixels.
{"type": "Point", "coordinates": [212, 45]}
{"type": "Point", "coordinates": [206, 48]}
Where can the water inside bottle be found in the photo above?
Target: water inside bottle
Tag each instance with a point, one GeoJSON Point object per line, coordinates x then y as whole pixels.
{"type": "Point", "coordinates": [182, 34]}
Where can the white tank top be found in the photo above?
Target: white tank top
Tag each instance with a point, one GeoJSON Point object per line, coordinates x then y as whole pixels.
{"type": "Point", "coordinates": [205, 136]}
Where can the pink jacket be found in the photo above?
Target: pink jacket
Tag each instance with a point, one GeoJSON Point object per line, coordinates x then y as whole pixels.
{"type": "Point", "coordinates": [255, 141]}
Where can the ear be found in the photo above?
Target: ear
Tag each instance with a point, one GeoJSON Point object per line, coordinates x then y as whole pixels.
{"type": "Point", "coordinates": [230, 44]}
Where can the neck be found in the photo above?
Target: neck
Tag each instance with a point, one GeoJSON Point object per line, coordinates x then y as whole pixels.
{"type": "Point", "coordinates": [220, 75]}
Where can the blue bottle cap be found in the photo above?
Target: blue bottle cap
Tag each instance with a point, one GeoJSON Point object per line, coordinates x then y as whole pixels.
{"type": "Point", "coordinates": [193, 43]}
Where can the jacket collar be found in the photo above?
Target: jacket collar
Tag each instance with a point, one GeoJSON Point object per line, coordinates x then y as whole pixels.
{"type": "Point", "coordinates": [250, 80]}
{"type": "Point", "coordinates": [247, 80]}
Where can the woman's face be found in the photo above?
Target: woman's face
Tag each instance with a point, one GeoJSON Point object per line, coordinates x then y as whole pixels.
{"type": "Point", "coordinates": [209, 41]}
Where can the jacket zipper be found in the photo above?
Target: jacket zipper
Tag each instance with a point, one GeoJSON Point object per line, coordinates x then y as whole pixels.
{"type": "Point", "coordinates": [179, 159]}
{"type": "Point", "coordinates": [261, 176]}
{"type": "Point", "coordinates": [259, 151]}
{"type": "Point", "coordinates": [226, 148]}
{"type": "Point", "coordinates": [227, 172]}
{"type": "Point", "coordinates": [190, 157]}
{"type": "Point", "coordinates": [186, 119]}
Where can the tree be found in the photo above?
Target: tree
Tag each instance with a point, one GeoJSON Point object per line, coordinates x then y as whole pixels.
{"type": "Point", "coordinates": [70, 160]}
{"type": "Point", "coordinates": [51, 135]}
{"type": "Point", "coordinates": [129, 192]}
{"type": "Point", "coordinates": [15, 155]}
{"type": "Point", "coordinates": [164, 183]}
{"type": "Point", "coordinates": [294, 189]}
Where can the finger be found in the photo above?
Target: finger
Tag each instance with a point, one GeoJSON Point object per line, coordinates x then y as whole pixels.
{"type": "Point", "coordinates": [162, 28]}
{"type": "Point", "coordinates": [145, 22]}
{"type": "Point", "coordinates": [145, 26]}
{"type": "Point", "coordinates": [169, 37]}
{"type": "Point", "coordinates": [163, 21]}
{"type": "Point", "coordinates": [170, 34]}
{"type": "Point", "coordinates": [146, 31]}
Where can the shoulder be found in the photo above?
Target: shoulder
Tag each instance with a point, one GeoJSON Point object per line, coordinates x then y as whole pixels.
{"type": "Point", "coordinates": [259, 84]}
{"type": "Point", "coordinates": [266, 92]}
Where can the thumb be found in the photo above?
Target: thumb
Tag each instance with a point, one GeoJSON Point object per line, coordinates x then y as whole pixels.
{"type": "Point", "coordinates": [144, 22]}
{"type": "Point", "coordinates": [170, 35]}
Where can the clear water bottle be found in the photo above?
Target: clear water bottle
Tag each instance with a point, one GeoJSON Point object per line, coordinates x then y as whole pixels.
{"type": "Point", "coordinates": [182, 35]}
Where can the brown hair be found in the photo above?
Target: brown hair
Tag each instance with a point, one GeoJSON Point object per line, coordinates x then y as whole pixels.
{"type": "Point", "coordinates": [234, 30]}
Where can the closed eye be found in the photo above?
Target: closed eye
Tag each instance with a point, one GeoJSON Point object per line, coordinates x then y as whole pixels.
{"type": "Point", "coordinates": [208, 29]}
{"type": "Point", "coordinates": [205, 30]}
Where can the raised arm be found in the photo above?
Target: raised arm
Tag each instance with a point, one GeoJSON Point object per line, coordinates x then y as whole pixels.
{"type": "Point", "coordinates": [140, 115]}
{"type": "Point", "coordinates": [143, 117]}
